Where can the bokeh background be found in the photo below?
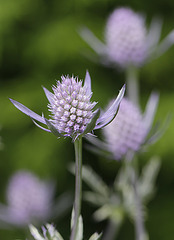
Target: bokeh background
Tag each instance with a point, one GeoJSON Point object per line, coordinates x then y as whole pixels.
{"type": "Point", "coordinates": [39, 42]}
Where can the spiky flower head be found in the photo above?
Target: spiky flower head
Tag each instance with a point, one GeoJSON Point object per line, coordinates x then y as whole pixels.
{"type": "Point", "coordinates": [71, 110]}
{"type": "Point", "coordinates": [126, 37]}
{"type": "Point", "coordinates": [71, 107]}
{"type": "Point", "coordinates": [127, 132]}
{"type": "Point", "coordinates": [28, 199]}
{"type": "Point", "coordinates": [128, 42]}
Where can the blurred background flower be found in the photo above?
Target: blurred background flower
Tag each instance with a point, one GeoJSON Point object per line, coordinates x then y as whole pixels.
{"type": "Point", "coordinates": [38, 43]}
{"type": "Point", "coordinates": [127, 41]}
{"type": "Point", "coordinates": [127, 133]}
{"type": "Point", "coordinates": [30, 200]}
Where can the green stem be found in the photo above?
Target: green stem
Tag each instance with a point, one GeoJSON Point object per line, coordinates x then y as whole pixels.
{"type": "Point", "coordinates": [78, 186]}
{"type": "Point", "coordinates": [132, 85]}
{"type": "Point", "coordinates": [112, 230]}
{"type": "Point", "coordinates": [140, 231]}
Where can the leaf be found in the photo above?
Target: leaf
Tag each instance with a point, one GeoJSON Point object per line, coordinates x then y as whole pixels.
{"type": "Point", "coordinates": [92, 124]}
{"type": "Point", "coordinates": [79, 234]}
{"type": "Point", "coordinates": [95, 236]}
{"type": "Point", "coordinates": [35, 233]}
{"type": "Point", "coordinates": [53, 129]}
{"type": "Point", "coordinates": [94, 181]}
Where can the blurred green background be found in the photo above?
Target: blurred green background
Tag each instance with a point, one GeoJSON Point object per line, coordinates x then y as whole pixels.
{"type": "Point", "coordinates": [39, 42]}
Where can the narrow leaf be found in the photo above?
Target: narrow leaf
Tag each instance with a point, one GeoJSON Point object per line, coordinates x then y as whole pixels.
{"type": "Point", "coordinates": [92, 124]}
{"type": "Point", "coordinates": [53, 129]}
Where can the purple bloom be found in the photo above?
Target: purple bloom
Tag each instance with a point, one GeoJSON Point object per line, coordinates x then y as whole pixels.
{"type": "Point", "coordinates": [130, 129]}
{"type": "Point", "coordinates": [127, 40]}
{"type": "Point", "coordinates": [71, 110]}
{"type": "Point", "coordinates": [28, 199]}
{"type": "Point", "coordinates": [126, 37]}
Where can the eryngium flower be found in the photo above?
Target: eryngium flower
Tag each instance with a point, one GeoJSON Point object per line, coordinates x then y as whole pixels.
{"type": "Point", "coordinates": [71, 109]}
{"type": "Point", "coordinates": [28, 199]}
{"type": "Point", "coordinates": [126, 37]}
{"type": "Point", "coordinates": [129, 131]}
{"type": "Point", "coordinates": [127, 40]}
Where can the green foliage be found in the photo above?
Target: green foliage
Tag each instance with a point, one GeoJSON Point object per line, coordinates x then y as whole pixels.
{"type": "Point", "coordinates": [39, 42]}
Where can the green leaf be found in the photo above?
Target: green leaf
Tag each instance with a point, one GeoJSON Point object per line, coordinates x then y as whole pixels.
{"type": "Point", "coordinates": [94, 181]}
{"type": "Point", "coordinates": [95, 236]}
{"type": "Point", "coordinates": [35, 233]}
{"type": "Point", "coordinates": [79, 235]}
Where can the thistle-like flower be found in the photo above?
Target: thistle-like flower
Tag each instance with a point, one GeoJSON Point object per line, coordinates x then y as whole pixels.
{"type": "Point", "coordinates": [71, 110]}
{"type": "Point", "coordinates": [126, 37]}
{"type": "Point", "coordinates": [28, 199]}
{"type": "Point", "coordinates": [127, 40]}
{"type": "Point", "coordinates": [129, 131]}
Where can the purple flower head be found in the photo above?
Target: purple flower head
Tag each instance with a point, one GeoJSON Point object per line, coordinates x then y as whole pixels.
{"type": "Point", "coordinates": [28, 199]}
{"type": "Point", "coordinates": [126, 37]}
{"type": "Point", "coordinates": [128, 132]}
{"type": "Point", "coordinates": [128, 42]}
{"type": "Point", "coordinates": [71, 109]}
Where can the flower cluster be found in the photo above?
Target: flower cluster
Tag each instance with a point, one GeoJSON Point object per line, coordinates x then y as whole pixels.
{"type": "Point", "coordinates": [128, 42]}
{"type": "Point", "coordinates": [72, 112]}
{"type": "Point", "coordinates": [71, 107]}
{"type": "Point", "coordinates": [129, 130]}
{"type": "Point", "coordinates": [126, 37]}
{"type": "Point", "coordinates": [28, 199]}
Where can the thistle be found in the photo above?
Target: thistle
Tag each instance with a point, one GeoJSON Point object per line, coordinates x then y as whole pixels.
{"type": "Point", "coordinates": [28, 199]}
{"type": "Point", "coordinates": [128, 42]}
{"type": "Point", "coordinates": [71, 110]}
{"type": "Point", "coordinates": [130, 130]}
{"type": "Point", "coordinates": [126, 38]}
{"type": "Point", "coordinates": [72, 115]}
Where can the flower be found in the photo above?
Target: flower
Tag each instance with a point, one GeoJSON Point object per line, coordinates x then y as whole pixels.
{"type": "Point", "coordinates": [128, 42]}
{"type": "Point", "coordinates": [129, 131]}
{"type": "Point", "coordinates": [28, 199]}
{"type": "Point", "coordinates": [126, 37]}
{"type": "Point", "coordinates": [71, 110]}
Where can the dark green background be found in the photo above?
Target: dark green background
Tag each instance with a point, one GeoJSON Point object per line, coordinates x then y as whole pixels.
{"type": "Point", "coordinates": [39, 42]}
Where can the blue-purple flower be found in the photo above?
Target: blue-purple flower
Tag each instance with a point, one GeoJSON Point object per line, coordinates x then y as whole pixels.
{"type": "Point", "coordinates": [128, 42]}
{"type": "Point", "coordinates": [129, 131]}
{"type": "Point", "coordinates": [28, 199]}
{"type": "Point", "coordinates": [71, 109]}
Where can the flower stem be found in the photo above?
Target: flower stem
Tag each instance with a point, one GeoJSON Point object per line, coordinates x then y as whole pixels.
{"type": "Point", "coordinates": [78, 186]}
{"type": "Point", "coordinates": [140, 231]}
{"type": "Point", "coordinates": [112, 230]}
{"type": "Point", "coordinates": [132, 85]}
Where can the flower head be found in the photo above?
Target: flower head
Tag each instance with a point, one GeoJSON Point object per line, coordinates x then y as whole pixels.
{"type": "Point", "coordinates": [130, 129]}
{"type": "Point", "coordinates": [128, 42]}
{"type": "Point", "coordinates": [71, 110]}
{"type": "Point", "coordinates": [127, 132]}
{"type": "Point", "coordinates": [126, 37]}
{"type": "Point", "coordinates": [28, 199]}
